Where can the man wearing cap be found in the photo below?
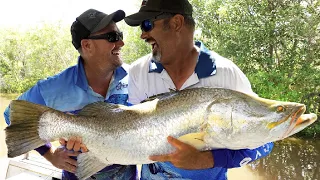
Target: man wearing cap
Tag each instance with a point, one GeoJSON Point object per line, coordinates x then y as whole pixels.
{"type": "Point", "coordinates": [98, 76]}
{"type": "Point", "coordinates": [177, 62]}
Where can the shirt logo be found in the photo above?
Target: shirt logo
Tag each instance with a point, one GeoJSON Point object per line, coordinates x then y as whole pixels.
{"type": "Point", "coordinates": [245, 161]}
{"type": "Point", "coordinates": [118, 99]}
{"type": "Point", "coordinates": [121, 86]}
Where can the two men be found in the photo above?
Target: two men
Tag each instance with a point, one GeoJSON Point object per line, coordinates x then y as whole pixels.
{"type": "Point", "coordinates": [177, 62]}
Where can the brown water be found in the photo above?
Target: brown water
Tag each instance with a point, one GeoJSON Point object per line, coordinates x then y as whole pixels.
{"type": "Point", "coordinates": [292, 159]}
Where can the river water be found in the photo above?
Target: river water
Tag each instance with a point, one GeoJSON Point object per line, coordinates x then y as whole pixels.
{"type": "Point", "coordinates": [291, 159]}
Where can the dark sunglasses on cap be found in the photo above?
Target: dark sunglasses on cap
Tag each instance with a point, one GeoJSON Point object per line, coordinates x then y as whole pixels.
{"type": "Point", "coordinates": [148, 24]}
{"type": "Point", "coordinates": [113, 36]}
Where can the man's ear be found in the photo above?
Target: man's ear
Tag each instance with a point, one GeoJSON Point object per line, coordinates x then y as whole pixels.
{"type": "Point", "coordinates": [177, 22]}
{"type": "Point", "coordinates": [86, 45]}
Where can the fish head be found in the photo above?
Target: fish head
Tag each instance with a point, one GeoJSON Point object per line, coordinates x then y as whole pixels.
{"type": "Point", "coordinates": [284, 119]}
{"type": "Point", "coordinates": [253, 121]}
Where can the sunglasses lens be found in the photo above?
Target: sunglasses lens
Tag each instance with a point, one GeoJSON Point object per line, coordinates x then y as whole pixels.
{"type": "Point", "coordinates": [110, 36]}
{"type": "Point", "coordinates": [115, 36]}
{"type": "Point", "coordinates": [146, 25]}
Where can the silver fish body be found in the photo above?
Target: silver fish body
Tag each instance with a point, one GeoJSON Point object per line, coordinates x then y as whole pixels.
{"type": "Point", "coordinates": [207, 118]}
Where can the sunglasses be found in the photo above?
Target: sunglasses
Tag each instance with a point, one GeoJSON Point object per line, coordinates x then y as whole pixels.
{"type": "Point", "coordinates": [148, 24]}
{"type": "Point", "coordinates": [113, 36]}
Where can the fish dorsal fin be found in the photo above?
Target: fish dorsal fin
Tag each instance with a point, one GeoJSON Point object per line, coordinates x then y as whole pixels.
{"type": "Point", "coordinates": [99, 109]}
{"type": "Point", "coordinates": [88, 165]}
{"type": "Point", "coordinates": [161, 96]}
{"type": "Point", "coordinates": [151, 98]}
{"type": "Point", "coordinates": [142, 108]}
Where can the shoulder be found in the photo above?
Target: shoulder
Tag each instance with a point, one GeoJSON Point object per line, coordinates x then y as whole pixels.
{"type": "Point", "coordinates": [140, 64]}
{"type": "Point", "coordinates": [225, 66]}
{"type": "Point", "coordinates": [229, 75]}
{"type": "Point", "coordinates": [222, 62]}
{"type": "Point", "coordinates": [58, 81]}
{"type": "Point", "coordinates": [65, 75]}
{"type": "Point", "coordinates": [50, 87]}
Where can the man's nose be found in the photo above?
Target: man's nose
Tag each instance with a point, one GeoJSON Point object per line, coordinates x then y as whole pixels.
{"type": "Point", "coordinates": [144, 35]}
{"type": "Point", "coordinates": [120, 43]}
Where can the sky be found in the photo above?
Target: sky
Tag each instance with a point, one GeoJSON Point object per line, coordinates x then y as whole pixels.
{"type": "Point", "coordinates": [26, 13]}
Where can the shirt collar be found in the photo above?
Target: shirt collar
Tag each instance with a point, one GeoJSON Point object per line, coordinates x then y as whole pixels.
{"type": "Point", "coordinates": [81, 78]}
{"type": "Point", "coordinates": [205, 67]}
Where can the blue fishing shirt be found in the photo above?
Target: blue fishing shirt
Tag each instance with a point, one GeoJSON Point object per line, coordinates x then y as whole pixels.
{"type": "Point", "coordinates": [69, 91]}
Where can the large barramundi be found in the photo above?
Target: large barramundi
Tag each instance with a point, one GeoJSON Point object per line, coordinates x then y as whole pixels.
{"type": "Point", "coordinates": [207, 118]}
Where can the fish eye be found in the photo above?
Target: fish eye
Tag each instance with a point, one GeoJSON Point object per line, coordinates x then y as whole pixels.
{"type": "Point", "coordinates": [280, 109]}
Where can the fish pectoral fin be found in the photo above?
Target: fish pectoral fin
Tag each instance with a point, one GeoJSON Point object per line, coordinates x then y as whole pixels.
{"type": "Point", "coordinates": [88, 165]}
{"type": "Point", "coordinates": [194, 139]}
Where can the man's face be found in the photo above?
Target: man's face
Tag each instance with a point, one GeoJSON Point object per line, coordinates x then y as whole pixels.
{"type": "Point", "coordinates": [107, 54]}
{"type": "Point", "coordinates": [162, 40]}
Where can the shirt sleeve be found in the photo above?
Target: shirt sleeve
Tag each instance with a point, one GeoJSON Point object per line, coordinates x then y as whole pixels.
{"type": "Point", "coordinates": [226, 158]}
{"type": "Point", "coordinates": [32, 95]}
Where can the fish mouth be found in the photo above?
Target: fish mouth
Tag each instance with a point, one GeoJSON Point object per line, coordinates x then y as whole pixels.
{"type": "Point", "coordinates": [303, 121]}
{"type": "Point", "coordinates": [295, 119]}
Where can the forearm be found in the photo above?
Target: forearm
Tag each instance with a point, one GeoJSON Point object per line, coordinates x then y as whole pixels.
{"type": "Point", "coordinates": [48, 155]}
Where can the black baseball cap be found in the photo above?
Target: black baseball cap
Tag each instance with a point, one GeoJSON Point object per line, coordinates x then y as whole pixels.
{"type": "Point", "coordinates": [152, 8]}
{"type": "Point", "coordinates": [92, 21]}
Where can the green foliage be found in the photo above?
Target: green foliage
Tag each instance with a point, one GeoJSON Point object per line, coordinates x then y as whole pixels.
{"type": "Point", "coordinates": [31, 55]}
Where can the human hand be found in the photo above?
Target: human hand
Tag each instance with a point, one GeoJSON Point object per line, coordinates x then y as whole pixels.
{"type": "Point", "coordinates": [61, 159]}
{"type": "Point", "coordinates": [74, 143]}
{"type": "Point", "coordinates": [186, 156]}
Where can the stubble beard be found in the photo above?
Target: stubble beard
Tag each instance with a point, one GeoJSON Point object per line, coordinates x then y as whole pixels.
{"type": "Point", "coordinates": [156, 56]}
{"type": "Point", "coordinates": [118, 62]}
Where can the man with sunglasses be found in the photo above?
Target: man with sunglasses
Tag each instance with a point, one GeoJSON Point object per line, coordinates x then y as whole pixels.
{"type": "Point", "coordinates": [177, 62]}
{"type": "Point", "coordinates": [98, 76]}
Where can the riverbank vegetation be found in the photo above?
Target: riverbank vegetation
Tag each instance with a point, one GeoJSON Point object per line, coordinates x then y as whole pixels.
{"type": "Point", "coordinates": [275, 43]}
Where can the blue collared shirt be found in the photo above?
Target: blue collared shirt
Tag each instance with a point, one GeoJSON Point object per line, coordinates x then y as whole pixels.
{"type": "Point", "coordinates": [69, 91]}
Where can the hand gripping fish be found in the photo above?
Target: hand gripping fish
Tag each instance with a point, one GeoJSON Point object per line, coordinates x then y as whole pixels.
{"type": "Point", "coordinates": [206, 118]}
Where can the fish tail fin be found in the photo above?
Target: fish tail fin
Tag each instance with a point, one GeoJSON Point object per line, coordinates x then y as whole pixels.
{"type": "Point", "coordinates": [22, 134]}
